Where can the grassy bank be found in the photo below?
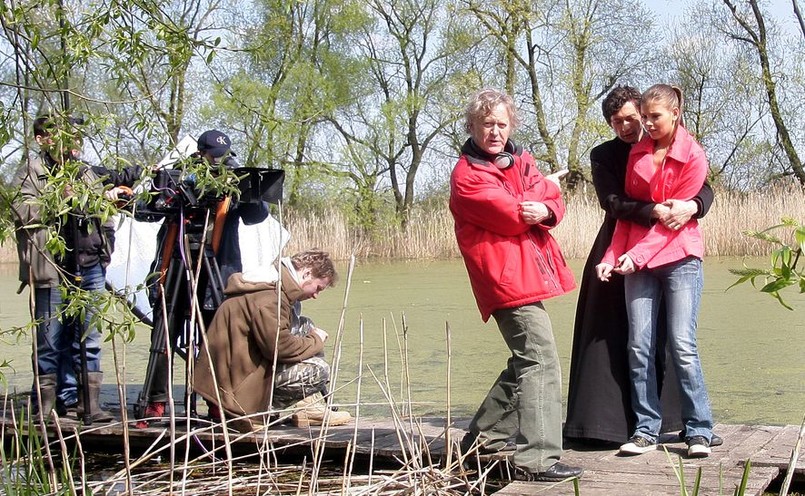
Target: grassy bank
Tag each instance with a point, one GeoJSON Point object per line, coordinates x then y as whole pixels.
{"type": "Point", "coordinates": [430, 233]}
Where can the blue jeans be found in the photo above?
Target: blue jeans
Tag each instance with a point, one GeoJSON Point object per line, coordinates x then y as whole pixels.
{"type": "Point", "coordinates": [680, 284]}
{"type": "Point", "coordinates": [526, 399]}
{"type": "Point", "coordinates": [58, 344]}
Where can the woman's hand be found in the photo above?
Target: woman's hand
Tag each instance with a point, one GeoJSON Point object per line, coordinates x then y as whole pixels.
{"type": "Point", "coordinates": [625, 265]}
{"type": "Point", "coordinates": [603, 271]}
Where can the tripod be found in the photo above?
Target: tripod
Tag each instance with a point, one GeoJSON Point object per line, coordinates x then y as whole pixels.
{"type": "Point", "coordinates": [174, 328]}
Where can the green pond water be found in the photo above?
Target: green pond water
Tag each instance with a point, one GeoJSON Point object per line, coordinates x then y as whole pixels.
{"type": "Point", "coordinates": [752, 349]}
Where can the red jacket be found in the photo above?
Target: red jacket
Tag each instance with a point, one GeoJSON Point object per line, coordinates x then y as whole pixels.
{"type": "Point", "coordinates": [510, 263]}
{"type": "Point", "coordinates": [681, 177]}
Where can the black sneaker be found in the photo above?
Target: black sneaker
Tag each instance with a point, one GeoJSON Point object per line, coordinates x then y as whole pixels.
{"type": "Point", "coordinates": [715, 439]}
{"type": "Point", "coordinates": [698, 447]}
{"type": "Point", "coordinates": [637, 445]}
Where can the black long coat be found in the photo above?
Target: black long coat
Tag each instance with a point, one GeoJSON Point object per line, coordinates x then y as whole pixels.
{"type": "Point", "coordinates": [599, 394]}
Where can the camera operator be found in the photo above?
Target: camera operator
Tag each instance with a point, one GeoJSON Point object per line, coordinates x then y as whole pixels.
{"type": "Point", "coordinates": [89, 244]}
{"type": "Point", "coordinates": [214, 149]}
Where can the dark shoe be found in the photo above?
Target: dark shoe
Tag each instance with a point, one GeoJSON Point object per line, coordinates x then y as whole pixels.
{"type": "Point", "coordinates": [468, 445]}
{"type": "Point", "coordinates": [715, 440]}
{"type": "Point", "coordinates": [698, 447]}
{"type": "Point", "coordinates": [637, 445]}
{"type": "Point", "coordinates": [556, 473]}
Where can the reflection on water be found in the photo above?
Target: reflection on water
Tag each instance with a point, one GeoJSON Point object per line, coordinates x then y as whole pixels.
{"type": "Point", "coordinates": [751, 347]}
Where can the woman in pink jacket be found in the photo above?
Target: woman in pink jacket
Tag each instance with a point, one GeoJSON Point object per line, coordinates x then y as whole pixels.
{"type": "Point", "coordinates": [659, 263]}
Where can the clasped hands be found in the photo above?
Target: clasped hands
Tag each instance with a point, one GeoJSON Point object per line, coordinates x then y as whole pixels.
{"type": "Point", "coordinates": [673, 214]}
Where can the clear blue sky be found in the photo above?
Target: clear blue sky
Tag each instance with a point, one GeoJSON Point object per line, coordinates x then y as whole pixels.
{"type": "Point", "coordinates": [781, 10]}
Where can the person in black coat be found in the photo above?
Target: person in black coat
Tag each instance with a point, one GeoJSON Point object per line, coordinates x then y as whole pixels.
{"type": "Point", "coordinates": [599, 399]}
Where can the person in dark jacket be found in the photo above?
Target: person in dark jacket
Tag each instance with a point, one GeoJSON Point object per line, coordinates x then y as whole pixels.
{"type": "Point", "coordinates": [504, 209]}
{"type": "Point", "coordinates": [599, 400]}
{"type": "Point", "coordinates": [89, 245]}
{"type": "Point", "coordinates": [213, 149]}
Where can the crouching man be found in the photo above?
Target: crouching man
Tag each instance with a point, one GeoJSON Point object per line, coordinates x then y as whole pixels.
{"type": "Point", "coordinates": [247, 335]}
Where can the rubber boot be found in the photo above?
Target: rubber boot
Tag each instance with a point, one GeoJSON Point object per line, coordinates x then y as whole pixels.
{"type": "Point", "coordinates": [47, 394]}
{"type": "Point", "coordinates": [95, 380]}
{"type": "Point", "coordinates": [311, 411]}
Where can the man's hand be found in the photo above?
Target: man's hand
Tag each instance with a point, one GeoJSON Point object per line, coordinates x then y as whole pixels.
{"type": "Point", "coordinates": [534, 212]}
{"type": "Point", "coordinates": [675, 213]}
{"type": "Point", "coordinates": [321, 333]}
{"type": "Point", "coordinates": [119, 195]}
{"type": "Point", "coordinates": [556, 176]}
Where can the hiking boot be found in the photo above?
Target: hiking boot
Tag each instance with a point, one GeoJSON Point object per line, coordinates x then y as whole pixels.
{"type": "Point", "coordinates": [715, 439]}
{"type": "Point", "coordinates": [63, 409]}
{"type": "Point", "coordinates": [154, 409]}
{"type": "Point", "coordinates": [555, 473]}
{"type": "Point", "coordinates": [312, 411]}
{"type": "Point", "coordinates": [698, 447]}
{"type": "Point", "coordinates": [637, 445]}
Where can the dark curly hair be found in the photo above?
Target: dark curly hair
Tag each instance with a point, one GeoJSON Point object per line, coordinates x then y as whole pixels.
{"type": "Point", "coordinates": [617, 98]}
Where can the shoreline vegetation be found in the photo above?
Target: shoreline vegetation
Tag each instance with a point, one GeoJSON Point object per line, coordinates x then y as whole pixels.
{"type": "Point", "coordinates": [430, 231]}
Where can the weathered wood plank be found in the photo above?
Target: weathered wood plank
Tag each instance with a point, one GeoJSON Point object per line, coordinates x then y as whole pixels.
{"type": "Point", "coordinates": [605, 483]}
{"type": "Point", "coordinates": [768, 448]}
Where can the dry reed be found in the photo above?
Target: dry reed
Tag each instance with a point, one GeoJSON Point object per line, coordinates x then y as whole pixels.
{"type": "Point", "coordinates": [420, 471]}
{"type": "Point", "coordinates": [429, 234]}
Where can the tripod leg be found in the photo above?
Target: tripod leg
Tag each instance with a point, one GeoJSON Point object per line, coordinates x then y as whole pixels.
{"type": "Point", "coordinates": [214, 280]}
{"type": "Point", "coordinates": [156, 374]}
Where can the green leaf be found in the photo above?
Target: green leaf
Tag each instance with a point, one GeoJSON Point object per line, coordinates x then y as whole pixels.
{"type": "Point", "coordinates": [776, 285]}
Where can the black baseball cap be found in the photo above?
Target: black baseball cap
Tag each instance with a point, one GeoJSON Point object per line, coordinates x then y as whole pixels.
{"type": "Point", "coordinates": [215, 143]}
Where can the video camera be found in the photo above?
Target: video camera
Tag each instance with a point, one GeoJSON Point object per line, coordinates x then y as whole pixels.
{"type": "Point", "coordinates": [186, 189]}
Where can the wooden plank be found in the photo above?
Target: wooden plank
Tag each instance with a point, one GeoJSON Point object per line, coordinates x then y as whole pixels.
{"type": "Point", "coordinates": [777, 452]}
{"type": "Point", "coordinates": [424, 439]}
{"type": "Point", "coordinates": [599, 483]}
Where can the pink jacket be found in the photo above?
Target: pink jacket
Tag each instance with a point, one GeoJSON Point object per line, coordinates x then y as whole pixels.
{"type": "Point", "coordinates": [680, 177]}
{"type": "Point", "coordinates": [510, 263]}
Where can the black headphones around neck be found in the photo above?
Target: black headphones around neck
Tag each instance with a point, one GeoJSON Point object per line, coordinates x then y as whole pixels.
{"type": "Point", "coordinates": [503, 160]}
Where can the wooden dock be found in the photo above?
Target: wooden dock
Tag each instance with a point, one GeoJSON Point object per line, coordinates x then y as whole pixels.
{"type": "Point", "coordinates": [394, 442]}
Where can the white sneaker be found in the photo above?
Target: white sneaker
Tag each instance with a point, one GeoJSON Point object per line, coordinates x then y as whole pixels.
{"type": "Point", "coordinates": [637, 445]}
{"type": "Point", "coordinates": [698, 447]}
